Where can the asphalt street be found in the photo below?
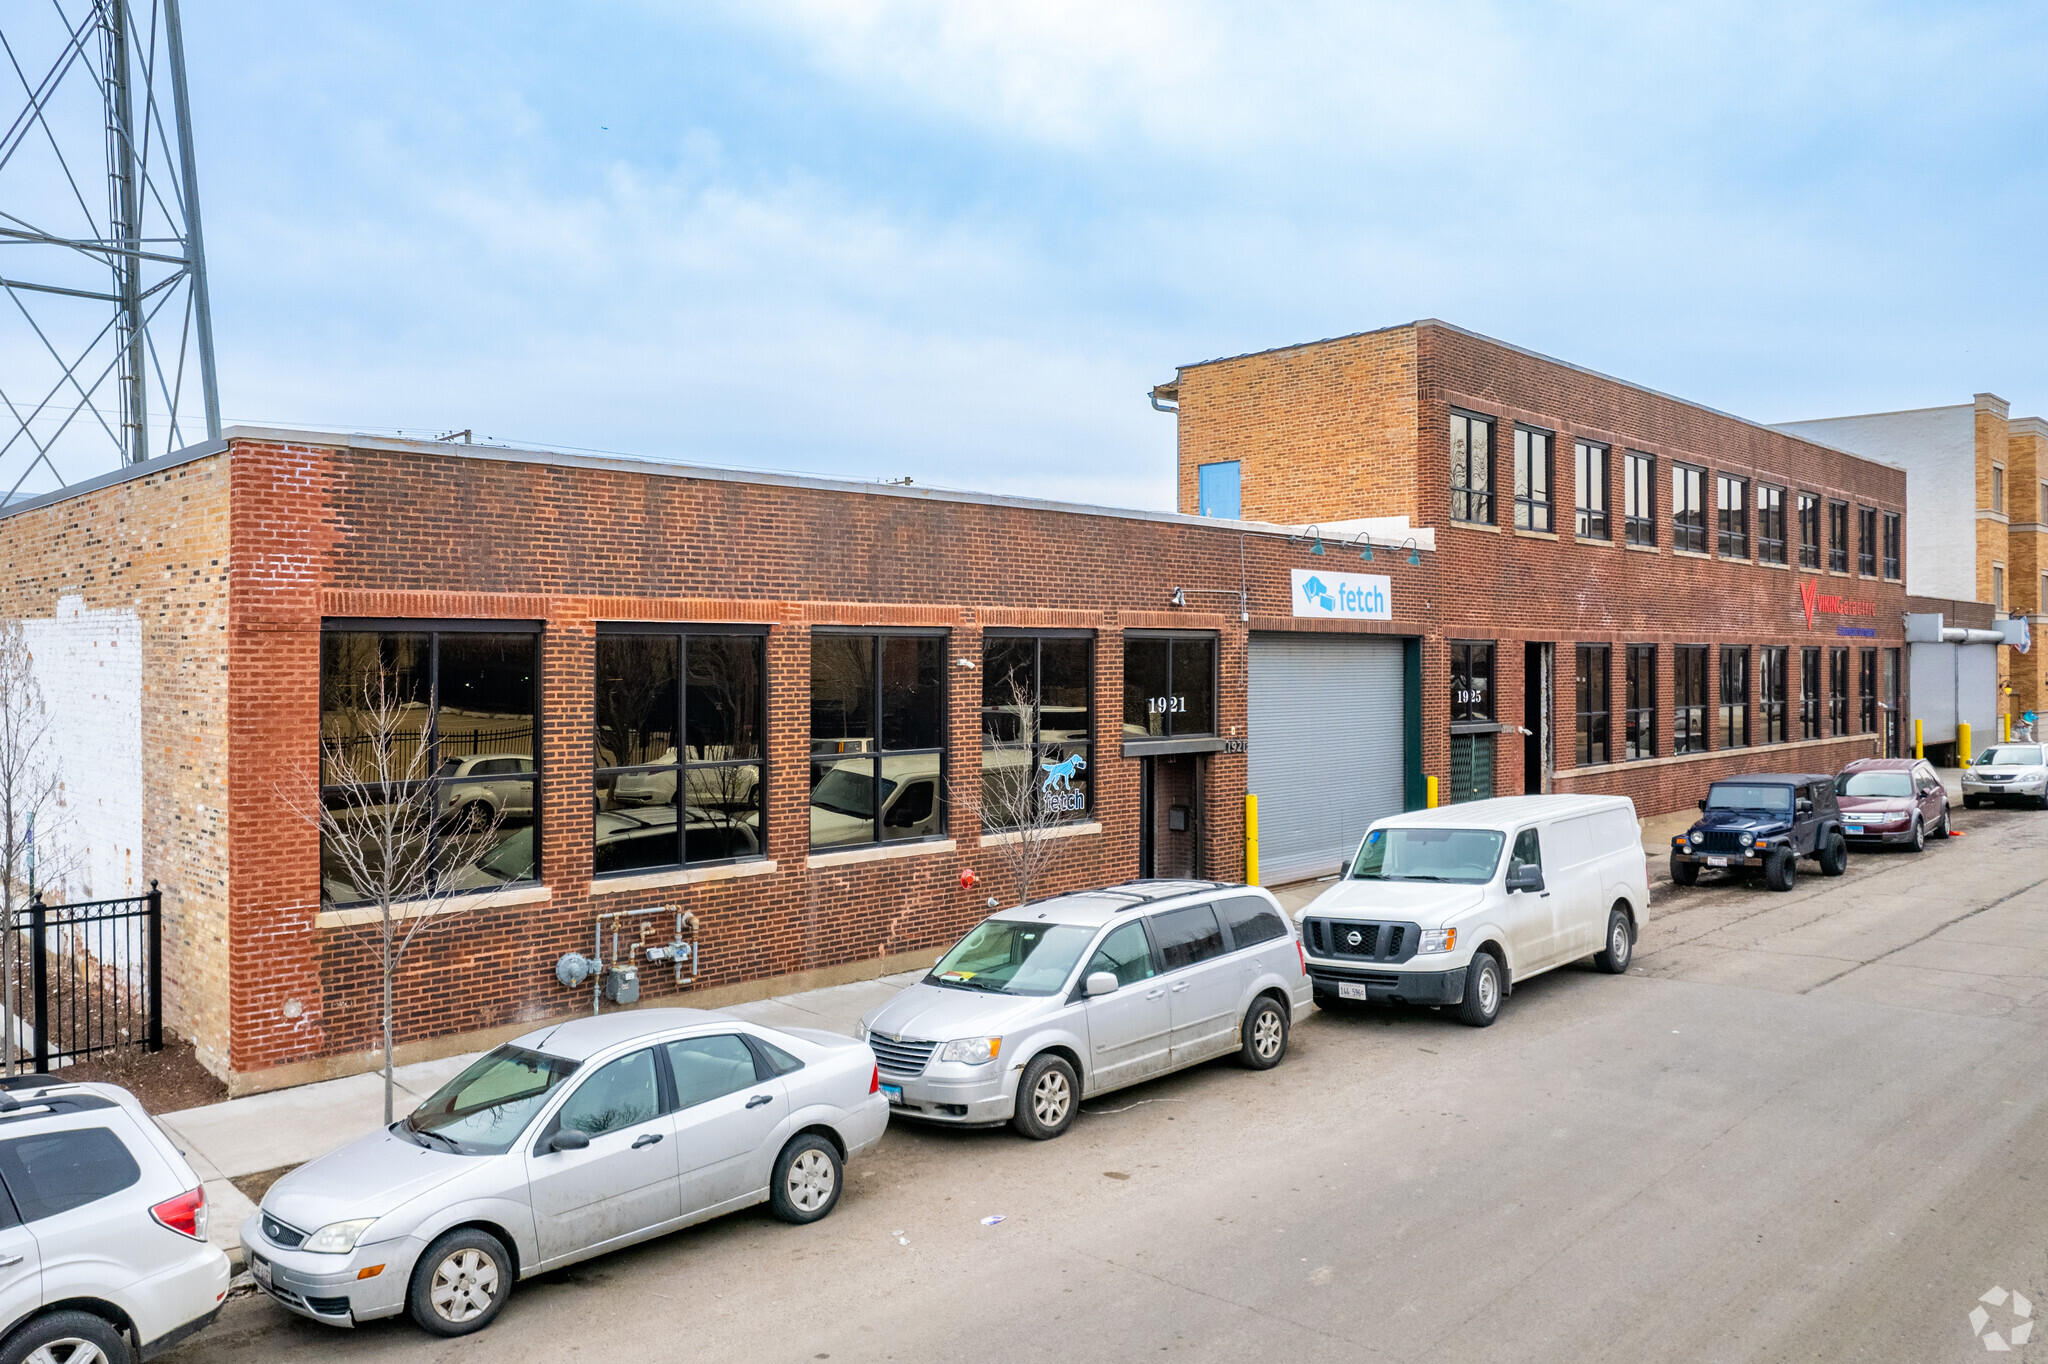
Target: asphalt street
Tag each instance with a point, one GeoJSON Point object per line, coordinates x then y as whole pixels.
{"type": "Point", "coordinates": [1805, 1126]}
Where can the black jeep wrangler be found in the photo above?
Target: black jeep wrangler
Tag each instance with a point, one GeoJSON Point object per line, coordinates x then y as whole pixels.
{"type": "Point", "coordinates": [1765, 823]}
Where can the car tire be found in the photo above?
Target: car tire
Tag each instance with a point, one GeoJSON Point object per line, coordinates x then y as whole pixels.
{"type": "Point", "coordinates": [1834, 856]}
{"type": "Point", "coordinates": [1048, 1097]}
{"type": "Point", "coordinates": [1919, 842]}
{"type": "Point", "coordinates": [1943, 825]}
{"type": "Point", "coordinates": [807, 1180]}
{"type": "Point", "coordinates": [1971, 802]}
{"type": "Point", "coordinates": [1264, 1035]}
{"type": "Point", "coordinates": [1781, 869]}
{"type": "Point", "coordinates": [1485, 988]}
{"type": "Point", "coordinates": [1685, 873]}
{"type": "Point", "coordinates": [1621, 942]}
{"type": "Point", "coordinates": [460, 1284]}
{"type": "Point", "coordinates": [77, 1330]}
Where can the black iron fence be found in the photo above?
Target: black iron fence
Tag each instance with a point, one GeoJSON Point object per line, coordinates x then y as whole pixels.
{"type": "Point", "coordinates": [89, 978]}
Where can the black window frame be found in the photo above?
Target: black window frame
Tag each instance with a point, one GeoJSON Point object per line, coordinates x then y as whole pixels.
{"type": "Point", "coordinates": [1734, 688]}
{"type": "Point", "coordinates": [1589, 490]}
{"type": "Point", "coordinates": [940, 804]}
{"type": "Point", "coordinates": [1535, 479]}
{"type": "Point", "coordinates": [1838, 536]}
{"type": "Point", "coordinates": [1770, 687]}
{"type": "Point", "coordinates": [1731, 516]}
{"type": "Point", "coordinates": [1471, 502]}
{"type": "Point", "coordinates": [1866, 541]}
{"type": "Point", "coordinates": [1770, 523]}
{"type": "Point", "coordinates": [683, 633]}
{"type": "Point", "coordinates": [1036, 741]}
{"type": "Point", "coordinates": [430, 739]}
{"type": "Point", "coordinates": [1173, 732]}
{"type": "Point", "coordinates": [1688, 699]}
{"type": "Point", "coordinates": [1894, 527]}
{"type": "Point", "coordinates": [1639, 491]}
{"type": "Point", "coordinates": [1812, 680]}
{"type": "Point", "coordinates": [1809, 529]}
{"type": "Point", "coordinates": [1688, 508]}
{"type": "Point", "coordinates": [1595, 704]}
{"type": "Point", "coordinates": [1866, 689]}
{"type": "Point", "coordinates": [1838, 692]}
{"type": "Point", "coordinates": [1639, 703]}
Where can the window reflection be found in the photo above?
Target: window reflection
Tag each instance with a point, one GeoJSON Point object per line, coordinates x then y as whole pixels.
{"type": "Point", "coordinates": [1169, 687]}
{"type": "Point", "coordinates": [878, 724]}
{"type": "Point", "coordinates": [1026, 770]}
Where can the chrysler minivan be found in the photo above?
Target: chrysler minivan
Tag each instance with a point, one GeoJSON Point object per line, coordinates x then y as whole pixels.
{"type": "Point", "coordinates": [1454, 906]}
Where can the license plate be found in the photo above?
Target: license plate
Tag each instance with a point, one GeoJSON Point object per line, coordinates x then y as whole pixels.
{"type": "Point", "coordinates": [893, 1093]}
{"type": "Point", "coordinates": [1854, 828]}
{"type": "Point", "coordinates": [1350, 989]}
{"type": "Point", "coordinates": [1717, 861]}
{"type": "Point", "coordinates": [260, 1268]}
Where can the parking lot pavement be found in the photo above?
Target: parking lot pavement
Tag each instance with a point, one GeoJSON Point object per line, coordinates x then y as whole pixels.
{"type": "Point", "coordinates": [1807, 1126]}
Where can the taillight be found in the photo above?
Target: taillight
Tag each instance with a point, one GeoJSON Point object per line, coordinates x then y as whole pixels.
{"type": "Point", "coordinates": [875, 1081]}
{"type": "Point", "coordinates": [185, 1214]}
{"type": "Point", "coordinates": [1302, 953]}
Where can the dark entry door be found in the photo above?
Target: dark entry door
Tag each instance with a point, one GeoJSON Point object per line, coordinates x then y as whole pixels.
{"type": "Point", "coordinates": [1538, 753]}
{"type": "Point", "coordinates": [1169, 816]}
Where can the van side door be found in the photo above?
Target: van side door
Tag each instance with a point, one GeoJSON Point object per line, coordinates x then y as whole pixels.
{"type": "Point", "coordinates": [1201, 981]}
{"type": "Point", "coordinates": [1532, 933]}
{"type": "Point", "coordinates": [1129, 1031]}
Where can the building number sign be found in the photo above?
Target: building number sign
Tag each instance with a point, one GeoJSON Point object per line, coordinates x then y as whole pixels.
{"type": "Point", "coordinates": [1168, 705]}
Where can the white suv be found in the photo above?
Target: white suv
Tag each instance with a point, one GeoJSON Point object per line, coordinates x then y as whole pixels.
{"type": "Point", "coordinates": [103, 1252]}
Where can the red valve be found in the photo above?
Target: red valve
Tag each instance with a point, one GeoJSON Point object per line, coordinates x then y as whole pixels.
{"type": "Point", "coordinates": [967, 878]}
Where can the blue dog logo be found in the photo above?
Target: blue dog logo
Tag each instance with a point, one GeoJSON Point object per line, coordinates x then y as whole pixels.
{"type": "Point", "coordinates": [1060, 775]}
{"type": "Point", "coordinates": [1317, 591]}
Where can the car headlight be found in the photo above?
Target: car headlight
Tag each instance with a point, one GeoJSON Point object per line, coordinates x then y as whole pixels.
{"type": "Point", "coordinates": [1695, 837]}
{"type": "Point", "coordinates": [972, 1051]}
{"type": "Point", "coordinates": [337, 1238]}
{"type": "Point", "coordinates": [860, 1031]}
{"type": "Point", "coordinates": [1438, 940]}
{"type": "Point", "coordinates": [1745, 839]}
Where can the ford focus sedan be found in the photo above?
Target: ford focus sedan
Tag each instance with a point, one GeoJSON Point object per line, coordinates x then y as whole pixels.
{"type": "Point", "coordinates": [1041, 1006]}
{"type": "Point", "coordinates": [566, 1143]}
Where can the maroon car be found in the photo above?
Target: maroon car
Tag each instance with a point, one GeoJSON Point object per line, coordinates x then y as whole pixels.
{"type": "Point", "coordinates": [1892, 800]}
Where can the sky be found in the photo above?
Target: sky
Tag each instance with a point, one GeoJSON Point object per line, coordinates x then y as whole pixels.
{"type": "Point", "coordinates": [958, 242]}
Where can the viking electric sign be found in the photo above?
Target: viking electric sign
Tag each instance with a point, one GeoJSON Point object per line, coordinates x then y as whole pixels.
{"type": "Point", "coordinates": [1348, 596]}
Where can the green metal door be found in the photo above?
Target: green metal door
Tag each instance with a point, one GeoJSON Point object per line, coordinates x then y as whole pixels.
{"type": "Point", "coordinates": [1471, 768]}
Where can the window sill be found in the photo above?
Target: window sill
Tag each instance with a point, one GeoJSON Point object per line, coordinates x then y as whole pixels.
{"type": "Point", "coordinates": [1484, 526]}
{"type": "Point", "coordinates": [355, 916]}
{"type": "Point", "coordinates": [1767, 563]}
{"type": "Point", "coordinates": [1549, 535]}
{"type": "Point", "coordinates": [682, 876]}
{"type": "Point", "coordinates": [1062, 831]}
{"type": "Point", "coordinates": [1642, 549]}
{"type": "Point", "coordinates": [878, 852]}
{"type": "Point", "coordinates": [1691, 554]}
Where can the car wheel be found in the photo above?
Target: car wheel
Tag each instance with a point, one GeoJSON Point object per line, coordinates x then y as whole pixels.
{"type": "Point", "coordinates": [1941, 827]}
{"type": "Point", "coordinates": [1048, 1097]}
{"type": "Point", "coordinates": [1834, 856]}
{"type": "Point", "coordinates": [1620, 944]}
{"type": "Point", "coordinates": [1685, 873]}
{"type": "Point", "coordinates": [1483, 991]}
{"type": "Point", "coordinates": [1265, 1035]}
{"type": "Point", "coordinates": [68, 1338]}
{"type": "Point", "coordinates": [806, 1183]}
{"type": "Point", "coordinates": [460, 1284]}
{"type": "Point", "coordinates": [1971, 802]}
{"type": "Point", "coordinates": [1919, 836]}
{"type": "Point", "coordinates": [1781, 869]}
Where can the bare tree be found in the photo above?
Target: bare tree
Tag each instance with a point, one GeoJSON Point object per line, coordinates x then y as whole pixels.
{"type": "Point", "coordinates": [382, 830]}
{"type": "Point", "coordinates": [28, 799]}
{"type": "Point", "coordinates": [1024, 800]}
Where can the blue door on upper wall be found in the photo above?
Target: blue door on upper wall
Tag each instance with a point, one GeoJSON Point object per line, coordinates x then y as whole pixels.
{"type": "Point", "coordinates": [1218, 491]}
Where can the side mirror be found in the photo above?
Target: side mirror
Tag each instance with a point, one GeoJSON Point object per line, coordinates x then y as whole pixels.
{"type": "Point", "coordinates": [1805, 807]}
{"type": "Point", "coordinates": [1099, 983]}
{"type": "Point", "coordinates": [569, 1139]}
{"type": "Point", "coordinates": [1703, 803]}
{"type": "Point", "coordinates": [1527, 877]}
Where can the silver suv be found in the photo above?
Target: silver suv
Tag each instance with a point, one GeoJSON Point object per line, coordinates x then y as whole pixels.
{"type": "Point", "coordinates": [1049, 1003]}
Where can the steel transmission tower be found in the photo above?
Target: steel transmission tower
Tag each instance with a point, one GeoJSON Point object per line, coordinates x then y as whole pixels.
{"type": "Point", "coordinates": [106, 338]}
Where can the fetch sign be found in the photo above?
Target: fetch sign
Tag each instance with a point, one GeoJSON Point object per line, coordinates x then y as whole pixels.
{"type": "Point", "coordinates": [1347, 596]}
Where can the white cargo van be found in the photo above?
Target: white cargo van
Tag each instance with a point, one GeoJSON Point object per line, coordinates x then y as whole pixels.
{"type": "Point", "coordinates": [1453, 906]}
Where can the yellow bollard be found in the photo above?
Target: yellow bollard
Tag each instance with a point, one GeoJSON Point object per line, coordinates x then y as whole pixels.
{"type": "Point", "coordinates": [1432, 792]}
{"type": "Point", "coordinates": [1919, 749]}
{"type": "Point", "coordinates": [2005, 723]}
{"type": "Point", "coordinates": [1963, 743]}
{"type": "Point", "coordinates": [1251, 839]}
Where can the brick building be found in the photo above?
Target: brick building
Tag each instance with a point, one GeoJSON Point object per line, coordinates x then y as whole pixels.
{"type": "Point", "coordinates": [1633, 593]}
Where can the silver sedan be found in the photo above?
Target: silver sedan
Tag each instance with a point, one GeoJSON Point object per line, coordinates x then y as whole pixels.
{"type": "Point", "coordinates": [568, 1142]}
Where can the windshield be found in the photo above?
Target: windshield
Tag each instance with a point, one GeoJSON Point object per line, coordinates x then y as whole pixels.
{"type": "Point", "coordinates": [1468, 855]}
{"type": "Point", "coordinates": [1874, 784]}
{"type": "Point", "coordinates": [1774, 800]}
{"type": "Point", "coordinates": [849, 791]}
{"type": "Point", "coordinates": [482, 1111]}
{"type": "Point", "coordinates": [511, 860]}
{"type": "Point", "coordinates": [1007, 956]}
{"type": "Point", "coordinates": [2010, 755]}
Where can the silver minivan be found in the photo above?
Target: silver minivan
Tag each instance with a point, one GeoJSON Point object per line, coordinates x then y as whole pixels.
{"type": "Point", "coordinates": [1044, 1005]}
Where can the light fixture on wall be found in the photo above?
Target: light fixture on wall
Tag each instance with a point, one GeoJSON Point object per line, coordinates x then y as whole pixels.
{"type": "Point", "coordinates": [1180, 596]}
{"type": "Point", "coordinates": [1363, 544]}
{"type": "Point", "coordinates": [963, 663]}
{"type": "Point", "coordinates": [1314, 533]}
{"type": "Point", "coordinates": [1414, 551]}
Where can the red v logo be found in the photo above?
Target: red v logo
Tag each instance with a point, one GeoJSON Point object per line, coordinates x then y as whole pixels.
{"type": "Point", "coordinates": [1808, 590]}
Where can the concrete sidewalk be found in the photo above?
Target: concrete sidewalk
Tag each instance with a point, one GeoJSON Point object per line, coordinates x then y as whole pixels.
{"type": "Point", "coordinates": [267, 1133]}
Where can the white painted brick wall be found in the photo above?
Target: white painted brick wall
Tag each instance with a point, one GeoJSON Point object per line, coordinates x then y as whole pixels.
{"type": "Point", "coordinates": [89, 664]}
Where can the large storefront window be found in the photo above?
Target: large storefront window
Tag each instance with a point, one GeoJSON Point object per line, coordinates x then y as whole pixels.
{"type": "Point", "coordinates": [1689, 697]}
{"type": "Point", "coordinates": [878, 734]}
{"type": "Point", "coordinates": [1771, 694]}
{"type": "Point", "coordinates": [1809, 693]}
{"type": "Point", "coordinates": [1734, 696]}
{"type": "Point", "coordinates": [1169, 686]}
{"type": "Point", "coordinates": [663, 801]}
{"type": "Point", "coordinates": [1037, 716]}
{"type": "Point", "coordinates": [1838, 692]}
{"type": "Point", "coordinates": [1592, 704]}
{"type": "Point", "coordinates": [1639, 703]}
{"type": "Point", "coordinates": [1473, 731]}
{"type": "Point", "coordinates": [435, 725]}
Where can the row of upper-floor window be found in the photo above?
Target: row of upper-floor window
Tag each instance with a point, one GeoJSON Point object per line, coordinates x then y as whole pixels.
{"type": "Point", "coordinates": [1813, 704]}
{"type": "Point", "coordinates": [1998, 496]}
{"type": "Point", "coordinates": [1746, 518]}
{"type": "Point", "coordinates": [447, 717]}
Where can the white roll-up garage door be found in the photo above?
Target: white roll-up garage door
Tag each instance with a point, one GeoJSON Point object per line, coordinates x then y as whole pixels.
{"type": "Point", "coordinates": [1326, 750]}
